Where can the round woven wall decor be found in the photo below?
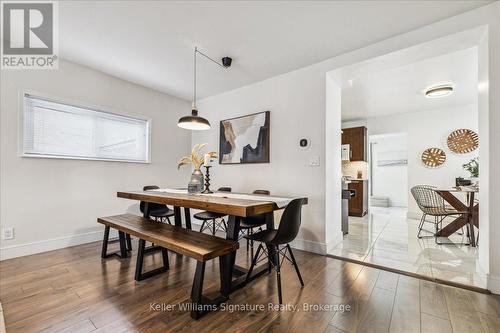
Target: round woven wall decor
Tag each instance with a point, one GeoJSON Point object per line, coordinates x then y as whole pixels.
{"type": "Point", "coordinates": [463, 141]}
{"type": "Point", "coordinates": [433, 157]}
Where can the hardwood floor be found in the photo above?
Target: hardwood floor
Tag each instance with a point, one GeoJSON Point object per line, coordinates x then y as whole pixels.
{"type": "Point", "coordinates": [73, 290]}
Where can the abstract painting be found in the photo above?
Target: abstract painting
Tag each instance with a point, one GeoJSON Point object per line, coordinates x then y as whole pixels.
{"type": "Point", "coordinates": [245, 139]}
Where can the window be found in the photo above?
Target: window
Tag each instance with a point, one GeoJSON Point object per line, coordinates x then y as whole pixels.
{"type": "Point", "coordinates": [53, 129]}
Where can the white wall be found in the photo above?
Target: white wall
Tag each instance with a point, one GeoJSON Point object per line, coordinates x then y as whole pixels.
{"type": "Point", "coordinates": [333, 170]}
{"type": "Point", "coordinates": [53, 203]}
{"type": "Point", "coordinates": [427, 129]}
{"type": "Point", "coordinates": [389, 181]}
{"type": "Point", "coordinates": [289, 173]}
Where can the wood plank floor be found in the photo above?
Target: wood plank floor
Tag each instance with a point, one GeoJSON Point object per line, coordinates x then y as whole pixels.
{"type": "Point", "coordinates": [73, 290]}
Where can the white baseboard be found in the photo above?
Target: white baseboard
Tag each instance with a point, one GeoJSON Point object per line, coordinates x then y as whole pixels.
{"type": "Point", "coordinates": [334, 241]}
{"type": "Point", "coordinates": [299, 244]}
{"type": "Point", "coordinates": [493, 284]}
{"type": "Point", "coordinates": [20, 250]}
{"type": "Point", "coordinates": [309, 246]}
{"type": "Point", "coordinates": [414, 215]}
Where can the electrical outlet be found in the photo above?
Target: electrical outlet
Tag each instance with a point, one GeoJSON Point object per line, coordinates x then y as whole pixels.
{"type": "Point", "coordinates": [314, 161]}
{"type": "Point", "coordinates": [8, 233]}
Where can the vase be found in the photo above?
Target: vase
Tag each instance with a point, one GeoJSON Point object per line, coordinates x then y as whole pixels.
{"type": "Point", "coordinates": [474, 181]}
{"type": "Point", "coordinates": [196, 182]}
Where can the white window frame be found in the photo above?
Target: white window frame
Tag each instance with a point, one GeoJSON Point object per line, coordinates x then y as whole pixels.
{"type": "Point", "coordinates": [89, 107]}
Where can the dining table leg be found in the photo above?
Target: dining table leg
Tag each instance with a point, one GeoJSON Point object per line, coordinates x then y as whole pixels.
{"type": "Point", "coordinates": [146, 210]}
{"type": "Point", "coordinates": [187, 218]}
{"type": "Point", "coordinates": [232, 233]}
{"type": "Point", "coordinates": [177, 216]}
{"type": "Point", "coordinates": [470, 219]}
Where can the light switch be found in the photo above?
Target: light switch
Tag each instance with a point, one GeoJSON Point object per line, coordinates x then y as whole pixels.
{"type": "Point", "coordinates": [314, 161]}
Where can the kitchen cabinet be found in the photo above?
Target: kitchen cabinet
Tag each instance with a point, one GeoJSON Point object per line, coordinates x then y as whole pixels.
{"type": "Point", "coordinates": [358, 205]}
{"type": "Point", "coordinates": [356, 138]}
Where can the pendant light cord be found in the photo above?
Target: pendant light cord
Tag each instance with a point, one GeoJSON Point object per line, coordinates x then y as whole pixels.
{"type": "Point", "coordinates": [194, 83]}
{"type": "Point", "coordinates": [206, 56]}
{"type": "Point", "coordinates": [194, 74]}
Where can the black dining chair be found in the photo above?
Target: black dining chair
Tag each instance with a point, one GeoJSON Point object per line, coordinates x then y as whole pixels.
{"type": "Point", "coordinates": [248, 224]}
{"type": "Point", "coordinates": [158, 212]}
{"type": "Point", "coordinates": [273, 239]}
{"type": "Point", "coordinates": [210, 218]}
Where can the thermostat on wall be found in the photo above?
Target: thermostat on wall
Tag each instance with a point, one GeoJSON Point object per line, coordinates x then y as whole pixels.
{"type": "Point", "coordinates": [304, 143]}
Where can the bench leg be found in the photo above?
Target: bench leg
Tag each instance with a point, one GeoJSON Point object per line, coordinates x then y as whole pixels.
{"type": "Point", "coordinates": [104, 250]}
{"type": "Point", "coordinates": [129, 242]}
{"type": "Point", "coordinates": [141, 251]}
{"type": "Point", "coordinates": [123, 244]}
{"type": "Point", "coordinates": [202, 304]}
{"type": "Point", "coordinates": [225, 275]}
{"type": "Point", "coordinates": [124, 241]}
{"type": "Point", "coordinates": [197, 290]}
{"type": "Point", "coordinates": [140, 259]}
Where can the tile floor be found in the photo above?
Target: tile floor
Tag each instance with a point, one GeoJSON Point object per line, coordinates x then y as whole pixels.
{"type": "Point", "coordinates": [386, 237]}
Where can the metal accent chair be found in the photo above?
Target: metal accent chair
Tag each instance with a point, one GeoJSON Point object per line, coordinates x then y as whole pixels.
{"type": "Point", "coordinates": [431, 203]}
{"type": "Point", "coordinates": [158, 212]}
{"type": "Point", "coordinates": [273, 239]}
{"type": "Point", "coordinates": [249, 223]}
{"type": "Point", "coordinates": [210, 218]}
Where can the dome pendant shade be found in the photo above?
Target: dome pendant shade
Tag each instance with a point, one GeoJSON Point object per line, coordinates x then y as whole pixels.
{"type": "Point", "coordinates": [194, 122]}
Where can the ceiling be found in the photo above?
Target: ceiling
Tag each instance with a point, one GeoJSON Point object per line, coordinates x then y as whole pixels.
{"type": "Point", "coordinates": [151, 42]}
{"type": "Point", "coordinates": [400, 90]}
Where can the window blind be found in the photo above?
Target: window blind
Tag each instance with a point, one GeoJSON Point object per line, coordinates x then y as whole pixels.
{"type": "Point", "coordinates": [54, 129]}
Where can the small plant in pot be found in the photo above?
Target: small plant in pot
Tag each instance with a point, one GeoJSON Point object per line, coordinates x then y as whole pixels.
{"type": "Point", "coordinates": [473, 168]}
{"type": "Point", "coordinates": [197, 159]}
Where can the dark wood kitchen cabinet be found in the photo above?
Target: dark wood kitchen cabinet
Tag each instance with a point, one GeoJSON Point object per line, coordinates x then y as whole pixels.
{"type": "Point", "coordinates": [358, 205]}
{"type": "Point", "coordinates": [356, 137]}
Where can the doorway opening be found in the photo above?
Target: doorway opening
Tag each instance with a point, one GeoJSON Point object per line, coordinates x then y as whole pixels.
{"type": "Point", "coordinates": [389, 171]}
{"type": "Point", "coordinates": [385, 98]}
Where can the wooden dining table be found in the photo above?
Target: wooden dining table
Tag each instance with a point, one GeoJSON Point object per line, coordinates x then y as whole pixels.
{"type": "Point", "coordinates": [236, 209]}
{"type": "Point", "coordinates": [471, 207]}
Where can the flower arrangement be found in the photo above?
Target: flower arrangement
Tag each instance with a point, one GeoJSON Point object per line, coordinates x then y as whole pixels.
{"type": "Point", "coordinates": [196, 158]}
{"type": "Point", "coordinates": [472, 167]}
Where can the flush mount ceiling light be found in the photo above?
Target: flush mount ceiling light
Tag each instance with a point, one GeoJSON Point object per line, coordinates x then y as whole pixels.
{"type": "Point", "coordinates": [438, 91]}
{"type": "Point", "coordinates": [195, 122]}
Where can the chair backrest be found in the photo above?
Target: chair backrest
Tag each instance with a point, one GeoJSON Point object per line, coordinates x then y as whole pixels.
{"type": "Point", "coordinates": [152, 206]}
{"type": "Point", "coordinates": [259, 219]}
{"type": "Point", "coordinates": [427, 197]}
{"type": "Point", "coordinates": [224, 189]}
{"type": "Point", "coordinates": [290, 222]}
{"type": "Point", "coordinates": [264, 192]}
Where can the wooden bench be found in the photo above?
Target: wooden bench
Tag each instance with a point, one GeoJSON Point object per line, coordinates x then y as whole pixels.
{"type": "Point", "coordinates": [199, 246]}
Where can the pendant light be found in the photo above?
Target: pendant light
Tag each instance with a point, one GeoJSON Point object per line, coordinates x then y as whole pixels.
{"type": "Point", "coordinates": [195, 122]}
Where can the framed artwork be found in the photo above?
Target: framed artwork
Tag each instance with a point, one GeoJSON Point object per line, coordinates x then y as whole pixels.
{"type": "Point", "coordinates": [245, 139]}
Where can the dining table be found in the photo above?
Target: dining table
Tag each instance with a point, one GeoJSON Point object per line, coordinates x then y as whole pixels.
{"type": "Point", "coordinates": [236, 206]}
{"type": "Point", "coordinates": [471, 218]}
